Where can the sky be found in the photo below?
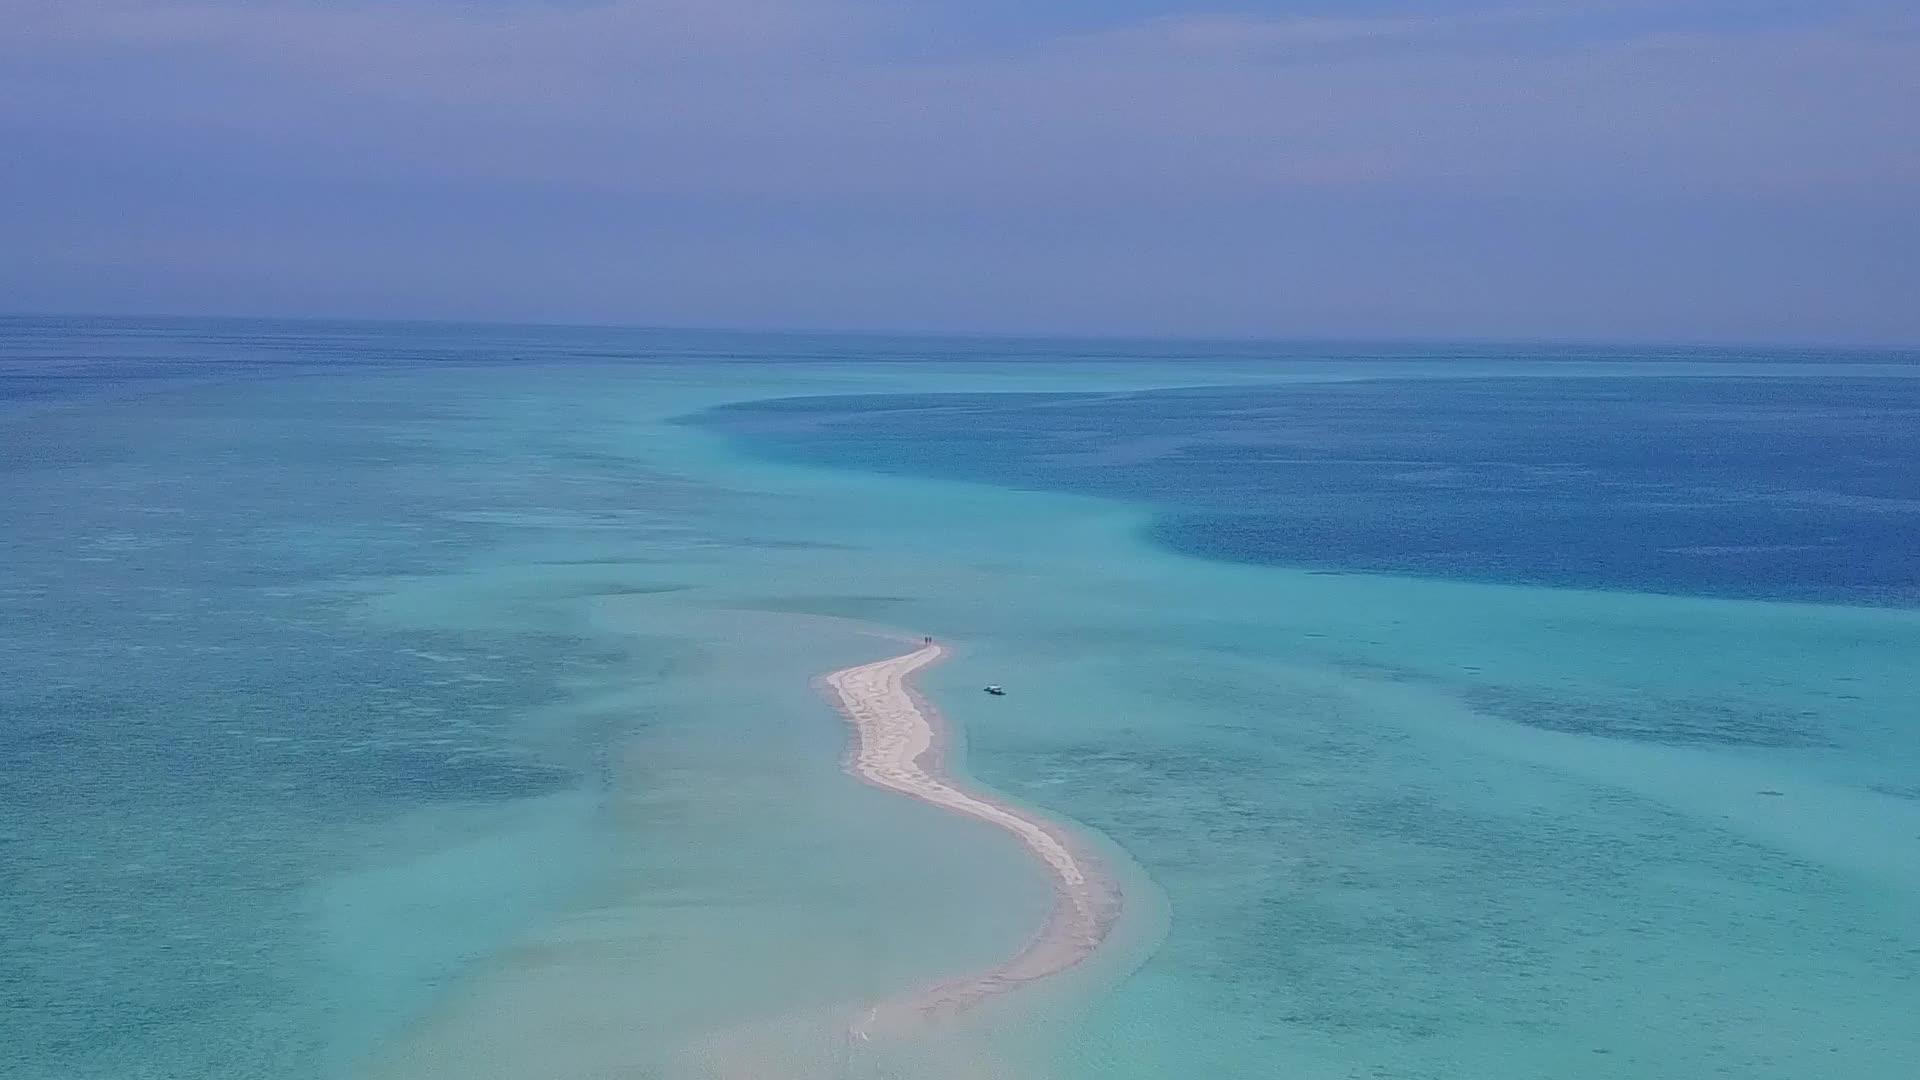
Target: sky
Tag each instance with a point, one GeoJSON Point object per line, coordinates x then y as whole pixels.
{"type": "Point", "coordinates": [1673, 170]}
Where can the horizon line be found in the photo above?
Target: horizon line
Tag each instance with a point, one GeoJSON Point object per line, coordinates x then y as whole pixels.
{"type": "Point", "coordinates": [1909, 349]}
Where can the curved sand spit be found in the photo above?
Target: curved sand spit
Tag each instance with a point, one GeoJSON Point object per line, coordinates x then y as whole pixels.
{"type": "Point", "coordinates": [899, 746]}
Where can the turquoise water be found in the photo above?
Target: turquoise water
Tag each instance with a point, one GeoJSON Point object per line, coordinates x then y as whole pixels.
{"type": "Point", "coordinates": [434, 701]}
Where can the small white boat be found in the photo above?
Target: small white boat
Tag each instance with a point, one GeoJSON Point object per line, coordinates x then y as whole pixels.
{"type": "Point", "coordinates": [997, 690]}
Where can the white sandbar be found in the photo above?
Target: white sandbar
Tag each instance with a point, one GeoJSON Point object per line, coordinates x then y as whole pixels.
{"type": "Point", "coordinates": [899, 745]}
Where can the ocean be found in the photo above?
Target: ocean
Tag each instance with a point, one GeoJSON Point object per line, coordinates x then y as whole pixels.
{"type": "Point", "coordinates": [385, 700]}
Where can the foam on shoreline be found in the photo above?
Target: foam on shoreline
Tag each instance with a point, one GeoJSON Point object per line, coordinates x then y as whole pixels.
{"type": "Point", "coordinates": [900, 744]}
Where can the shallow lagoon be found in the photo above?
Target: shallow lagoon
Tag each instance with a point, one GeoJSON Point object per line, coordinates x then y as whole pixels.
{"type": "Point", "coordinates": [429, 701]}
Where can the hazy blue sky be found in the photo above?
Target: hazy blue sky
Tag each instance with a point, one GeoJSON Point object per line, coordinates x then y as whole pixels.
{"type": "Point", "coordinates": [1679, 169]}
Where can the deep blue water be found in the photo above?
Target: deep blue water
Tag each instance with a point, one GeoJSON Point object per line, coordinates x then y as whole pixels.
{"type": "Point", "coordinates": [1794, 486]}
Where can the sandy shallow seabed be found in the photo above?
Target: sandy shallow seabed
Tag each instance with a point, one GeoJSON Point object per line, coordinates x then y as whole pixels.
{"type": "Point", "coordinates": [900, 745]}
{"type": "Point", "coordinates": [575, 1000]}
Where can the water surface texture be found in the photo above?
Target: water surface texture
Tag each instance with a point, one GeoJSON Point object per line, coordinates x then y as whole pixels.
{"type": "Point", "coordinates": [432, 701]}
